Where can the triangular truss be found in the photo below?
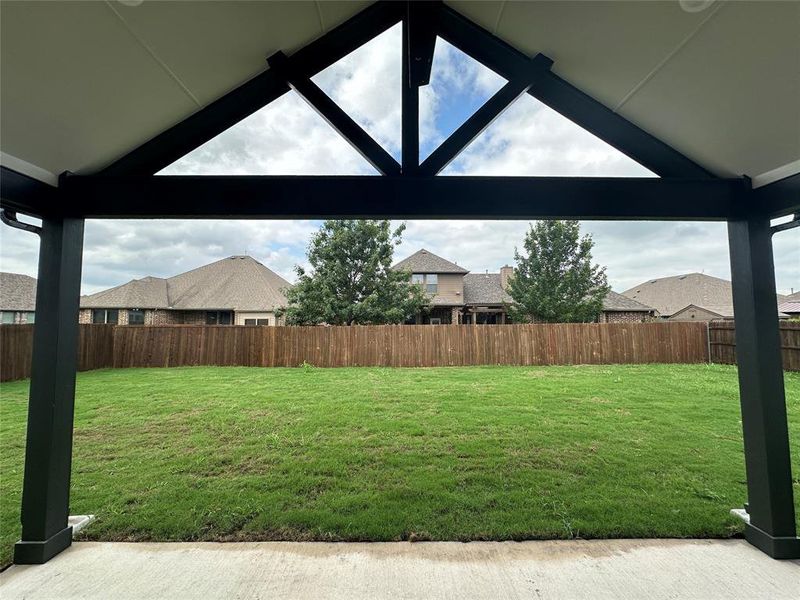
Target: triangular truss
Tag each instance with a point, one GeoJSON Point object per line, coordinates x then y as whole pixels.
{"type": "Point", "coordinates": [422, 22]}
{"type": "Point", "coordinates": [407, 189]}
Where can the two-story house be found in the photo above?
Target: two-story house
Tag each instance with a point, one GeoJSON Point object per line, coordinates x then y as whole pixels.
{"type": "Point", "coordinates": [460, 297]}
{"type": "Point", "coordinates": [443, 282]}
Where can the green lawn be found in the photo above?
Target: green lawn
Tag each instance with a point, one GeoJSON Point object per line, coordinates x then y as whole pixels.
{"type": "Point", "coordinates": [392, 454]}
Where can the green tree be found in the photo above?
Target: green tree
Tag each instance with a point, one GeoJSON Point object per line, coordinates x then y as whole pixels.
{"type": "Point", "coordinates": [555, 280]}
{"type": "Point", "coordinates": [351, 281]}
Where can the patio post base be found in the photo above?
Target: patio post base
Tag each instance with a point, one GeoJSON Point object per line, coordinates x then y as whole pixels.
{"type": "Point", "coordinates": [776, 547]}
{"type": "Point", "coordinates": [39, 552]}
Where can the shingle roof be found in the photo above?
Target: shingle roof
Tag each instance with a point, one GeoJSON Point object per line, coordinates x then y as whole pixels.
{"type": "Point", "coordinates": [790, 308]}
{"type": "Point", "coordinates": [668, 295]}
{"type": "Point", "coordinates": [17, 292]}
{"type": "Point", "coordinates": [148, 292]}
{"type": "Point", "coordinates": [237, 283]}
{"type": "Point", "coordinates": [614, 302]}
{"type": "Point", "coordinates": [792, 297]}
{"type": "Point", "coordinates": [423, 261]}
{"type": "Point", "coordinates": [484, 289]}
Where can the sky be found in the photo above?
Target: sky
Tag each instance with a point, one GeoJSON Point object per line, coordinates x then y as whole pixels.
{"type": "Point", "coordinates": [289, 138]}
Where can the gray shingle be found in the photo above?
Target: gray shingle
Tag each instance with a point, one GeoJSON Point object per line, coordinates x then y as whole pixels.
{"type": "Point", "coordinates": [614, 302]}
{"type": "Point", "coordinates": [17, 292]}
{"type": "Point", "coordinates": [484, 289]}
{"type": "Point", "coordinates": [234, 283]}
{"type": "Point", "coordinates": [423, 261]}
{"type": "Point", "coordinates": [668, 295]}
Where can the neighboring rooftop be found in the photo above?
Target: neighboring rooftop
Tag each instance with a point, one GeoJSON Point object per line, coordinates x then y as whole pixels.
{"type": "Point", "coordinates": [17, 292]}
{"type": "Point", "coordinates": [669, 295]}
{"type": "Point", "coordinates": [614, 302]}
{"type": "Point", "coordinates": [423, 261]}
{"type": "Point", "coordinates": [790, 308]}
{"type": "Point", "coordinates": [484, 289]}
{"type": "Point", "coordinates": [235, 283]}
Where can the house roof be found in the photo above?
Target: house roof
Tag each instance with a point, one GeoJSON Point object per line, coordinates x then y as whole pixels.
{"type": "Point", "coordinates": [614, 302]}
{"type": "Point", "coordinates": [792, 297]}
{"type": "Point", "coordinates": [424, 261]}
{"type": "Point", "coordinates": [790, 308]}
{"type": "Point", "coordinates": [648, 61]}
{"type": "Point", "coordinates": [17, 292]}
{"type": "Point", "coordinates": [236, 283]}
{"type": "Point", "coordinates": [484, 289]}
{"type": "Point", "coordinates": [669, 295]}
{"type": "Point", "coordinates": [148, 292]}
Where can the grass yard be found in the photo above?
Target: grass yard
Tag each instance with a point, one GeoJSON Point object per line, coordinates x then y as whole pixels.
{"type": "Point", "coordinates": [472, 453]}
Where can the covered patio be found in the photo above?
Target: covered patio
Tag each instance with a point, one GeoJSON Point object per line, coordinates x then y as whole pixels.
{"type": "Point", "coordinates": [99, 97]}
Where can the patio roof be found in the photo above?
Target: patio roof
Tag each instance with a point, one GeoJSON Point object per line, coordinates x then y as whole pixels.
{"type": "Point", "coordinates": [85, 82]}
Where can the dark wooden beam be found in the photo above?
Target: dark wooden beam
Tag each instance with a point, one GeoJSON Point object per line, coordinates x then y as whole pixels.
{"type": "Point", "coordinates": [24, 194]}
{"type": "Point", "coordinates": [559, 95]}
{"type": "Point", "coordinates": [770, 503]}
{"type": "Point", "coordinates": [399, 197]}
{"type": "Point", "coordinates": [48, 450]}
{"type": "Point", "coordinates": [483, 117]}
{"type": "Point", "coordinates": [423, 21]}
{"type": "Point", "coordinates": [359, 139]}
{"type": "Point", "coordinates": [778, 199]}
{"type": "Point", "coordinates": [213, 119]}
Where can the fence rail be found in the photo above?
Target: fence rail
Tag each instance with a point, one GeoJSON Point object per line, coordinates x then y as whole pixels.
{"type": "Point", "coordinates": [387, 345]}
{"type": "Point", "coordinates": [722, 342]}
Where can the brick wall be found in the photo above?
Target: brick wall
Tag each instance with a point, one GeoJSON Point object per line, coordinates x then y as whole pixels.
{"type": "Point", "coordinates": [625, 317]}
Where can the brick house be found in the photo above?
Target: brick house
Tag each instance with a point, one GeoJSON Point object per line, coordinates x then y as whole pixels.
{"type": "Point", "coordinates": [17, 299]}
{"type": "Point", "coordinates": [235, 290]}
{"type": "Point", "coordinates": [458, 296]}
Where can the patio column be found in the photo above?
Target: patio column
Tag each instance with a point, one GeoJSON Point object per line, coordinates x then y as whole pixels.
{"type": "Point", "coordinates": [761, 390]}
{"type": "Point", "coordinates": [48, 452]}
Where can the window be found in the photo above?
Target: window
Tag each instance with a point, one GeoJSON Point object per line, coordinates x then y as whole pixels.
{"type": "Point", "coordinates": [418, 278]}
{"type": "Point", "coordinates": [431, 283]}
{"type": "Point", "coordinates": [8, 318]}
{"type": "Point", "coordinates": [435, 321]}
{"type": "Point", "coordinates": [219, 317]}
{"type": "Point", "coordinates": [135, 316]}
{"type": "Point", "coordinates": [30, 318]}
{"type": "Point", "coordinates": [256, 321]}
{"type": "Point", "coordinates": [105, 315]}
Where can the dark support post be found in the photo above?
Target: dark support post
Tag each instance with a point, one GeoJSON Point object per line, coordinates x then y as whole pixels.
{"type": "Point", "coordinates": [410, 112]}
{"type": "Point", "coordinates": [761, 390]}
{"type": "Point", "coordinates": [48, 453]}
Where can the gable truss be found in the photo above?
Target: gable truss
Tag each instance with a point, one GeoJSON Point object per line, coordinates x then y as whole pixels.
{"type": "Point", "coordinates": [702, 195]}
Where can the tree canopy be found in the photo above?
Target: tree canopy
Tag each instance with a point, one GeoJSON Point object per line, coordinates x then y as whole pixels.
{"type": "Point", "coordinates": [555, 280]}
{"type": "Point", "coordinates": [351, 281]}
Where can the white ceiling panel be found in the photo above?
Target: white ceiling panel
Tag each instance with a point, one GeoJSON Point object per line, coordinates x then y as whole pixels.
{"type": "Point", "coordinates": [730, 98]}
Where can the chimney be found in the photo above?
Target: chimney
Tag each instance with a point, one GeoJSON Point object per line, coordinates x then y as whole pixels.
{"type": "Point", "coordinates": [505, 274]}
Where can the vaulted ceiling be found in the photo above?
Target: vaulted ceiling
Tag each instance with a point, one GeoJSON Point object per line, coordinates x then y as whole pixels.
{"type": "Point", "coordinates": [82, 83]}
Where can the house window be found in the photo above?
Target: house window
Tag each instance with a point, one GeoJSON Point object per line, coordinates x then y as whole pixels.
{"type": "Point", "coordinates": [256, 321]}
{"type": "Point", "coordinates": [108, 316]}
{"type": "Point", "coordinates": [135, 316]}
{"type": "Point", "coordinates": [431, 283]}
{"type": "Point", "coordinates": [436, 321]}
{"type": "Point", "coordinates": [8, 317]}
{"type": "Point", "coordinates": [418, 278]}
{"type": "Point", "coordinates": [218, 317]}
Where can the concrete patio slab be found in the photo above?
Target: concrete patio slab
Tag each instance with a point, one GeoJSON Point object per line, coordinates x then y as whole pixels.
{"type": "Point", "coordinates": [650, 569]}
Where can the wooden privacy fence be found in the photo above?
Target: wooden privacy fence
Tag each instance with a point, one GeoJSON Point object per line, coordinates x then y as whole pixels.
{"type": "Point", "coordinates": [722, 341]}
{"type": "Point", "coordinates": [95, 349]}
{"type": "Point", "coordinates": [385, 345]}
